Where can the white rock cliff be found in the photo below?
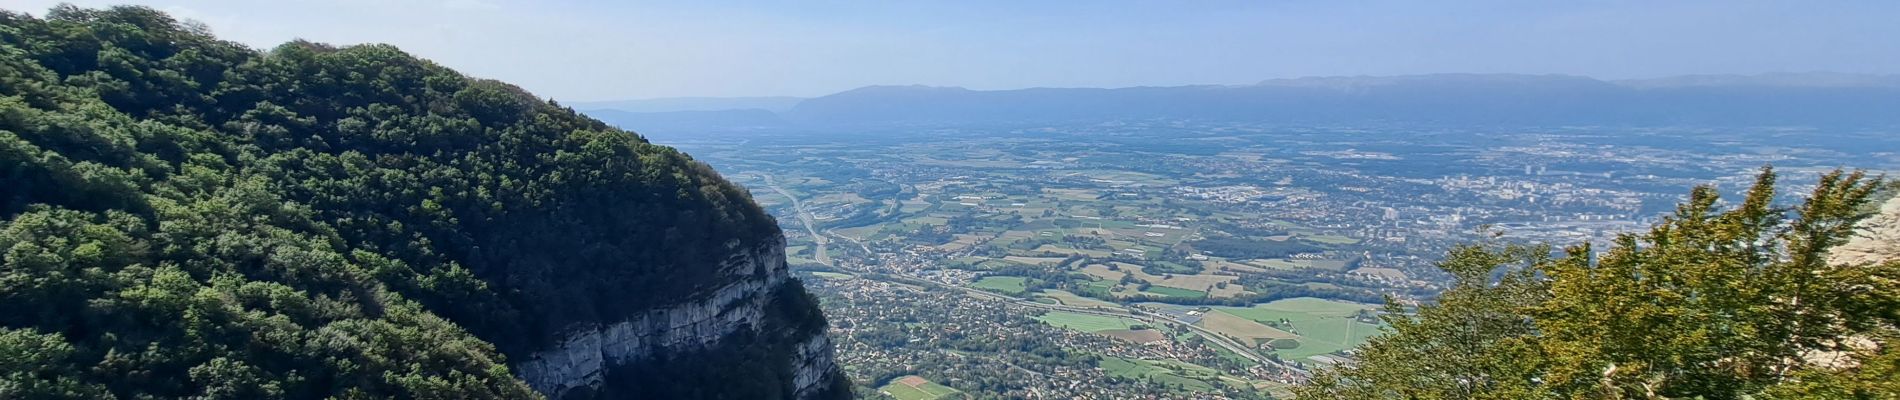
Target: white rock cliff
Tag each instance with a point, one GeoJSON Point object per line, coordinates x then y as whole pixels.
{"type": "Point", "coordinates": [693, 324]}
{"type": "Point", "coordinates": [1876, 239]}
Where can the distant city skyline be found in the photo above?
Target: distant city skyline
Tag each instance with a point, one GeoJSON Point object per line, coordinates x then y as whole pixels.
{"type": "Point", "coordinates": [600, 50]}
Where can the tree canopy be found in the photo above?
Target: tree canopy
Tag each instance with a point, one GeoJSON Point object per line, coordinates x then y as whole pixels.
{"type": "Point", "coordinates": [187, 217]}
{"type": "Point", "coordinates": [1713, 302]}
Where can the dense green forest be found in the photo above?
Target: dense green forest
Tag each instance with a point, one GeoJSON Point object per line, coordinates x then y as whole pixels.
{"type": "Point", "coordinates": [1709, 304]}
{"type": "Point", "coordinates": [187, 217]}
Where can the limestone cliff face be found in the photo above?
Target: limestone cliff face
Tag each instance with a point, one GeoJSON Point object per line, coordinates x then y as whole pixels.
{"type": "Point", "coordinates": [1876, 239]}
{"type": "Point", "coordinates": [814, 368]}
{"type": "Point", "coordinates": [735, 311]}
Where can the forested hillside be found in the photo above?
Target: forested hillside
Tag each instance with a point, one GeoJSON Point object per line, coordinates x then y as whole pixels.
{"type": "Point", "coordinates": [183, 216]}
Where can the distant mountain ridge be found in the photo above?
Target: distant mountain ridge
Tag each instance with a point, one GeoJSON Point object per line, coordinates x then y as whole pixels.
{"type": "Point", "coordinates": [676, 104]}
{"type": "Point", "coordinates": [1816, 79]}
{"type": "Point", "coordinates": [1782, 99]}
{"type": "Point", "coordinates": [1776, 99]}
{"type": "Point", "coordinates": [696, 119]}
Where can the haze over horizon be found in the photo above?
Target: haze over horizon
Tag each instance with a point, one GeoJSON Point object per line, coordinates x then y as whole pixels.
{"type": "Point", "coordinates": [595, 51]}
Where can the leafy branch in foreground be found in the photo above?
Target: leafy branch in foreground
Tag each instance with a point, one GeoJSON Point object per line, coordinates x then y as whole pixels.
{"type": "Point", "coordinates": [1710, 303]}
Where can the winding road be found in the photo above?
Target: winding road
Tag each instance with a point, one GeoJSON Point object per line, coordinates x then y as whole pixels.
{"type": "Point", "coordinates": [805, 218]}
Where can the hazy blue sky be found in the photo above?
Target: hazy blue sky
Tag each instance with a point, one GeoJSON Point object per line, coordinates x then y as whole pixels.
{"type": "Point", "coordinates": [596, 50]}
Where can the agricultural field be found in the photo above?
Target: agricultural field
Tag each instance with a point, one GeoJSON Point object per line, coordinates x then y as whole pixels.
{"type": "Point", "coordinates": [1168, 285]}
{"type": "Point", "coordinates": [1067, 298]}
{"type": "Point", "coordinates": [1169, 292]}
{"type": "Point", "coordinates": [1234, 267]}
{"type": "Point", "coordinates": [1330, 239]}
{"type": "Point", "coordinates": [1032, 260]}
{"type": "Point", "coordinates": [1004, 284]}
{"type": "Point", "coordinates": [1127, 329]}
{"type": "Point", "coordinates": [1155, 371]}
{"type": "Point", "coordinates": [1247, 330]}
{"type": "Point", "coordinates": [1195, 282]}
{"type": "Point", "coordinates": [831, 275]}
{"type": "Point", "coordinates": [1184, 376]}
{"type": "Point", "coordinates": [1296, 264]}
{"type": "Point", "coordinates": [912, 387]}
{"type": "Point", "coordinates": [1090, 323]}
{"type": "Point", "coordinates": [1137, 336]}
{"type": "Point", "coordinates": [1323, 326]}
{"type": "Point", "coordinates": [1226, 291]}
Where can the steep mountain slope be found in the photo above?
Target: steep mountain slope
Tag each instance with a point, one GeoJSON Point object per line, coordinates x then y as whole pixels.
{"type": "Point", "coordinates": [187, 217]}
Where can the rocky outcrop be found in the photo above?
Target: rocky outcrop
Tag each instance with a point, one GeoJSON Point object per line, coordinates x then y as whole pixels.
{"type": "Point", "coordinates": [813, 366]}
{"type": "Point", "coordinates": [585, 358]}
{"type": "Point", "coordinates": [1876, 239]}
